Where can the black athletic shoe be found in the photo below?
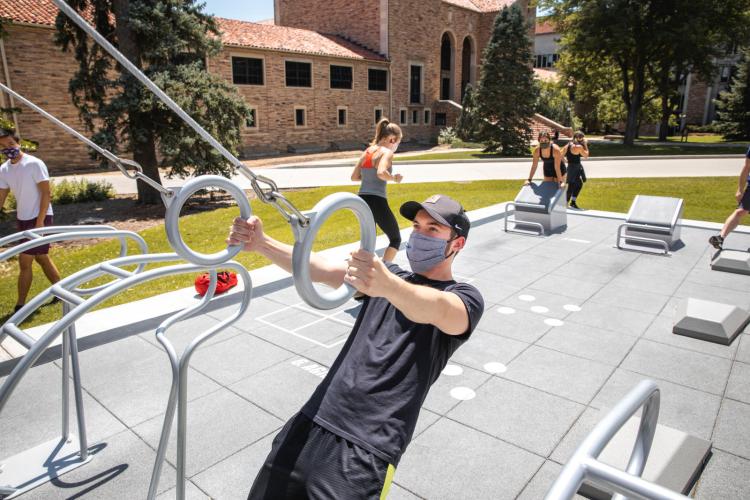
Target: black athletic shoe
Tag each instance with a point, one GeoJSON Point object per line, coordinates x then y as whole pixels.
{"type": "Point", "coordinates": [17, 308]}
{"type": "Point", "coordinates": [716, 241]}
{"type": "Point", "coordinates": [573, 205]}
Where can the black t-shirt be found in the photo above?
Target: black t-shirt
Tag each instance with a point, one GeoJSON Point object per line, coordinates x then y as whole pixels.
{"type": "Point", "coordinates": [374, 390]}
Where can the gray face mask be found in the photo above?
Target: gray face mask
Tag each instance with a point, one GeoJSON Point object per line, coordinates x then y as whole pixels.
{"type": "Point", "coordinates": [425, 252]}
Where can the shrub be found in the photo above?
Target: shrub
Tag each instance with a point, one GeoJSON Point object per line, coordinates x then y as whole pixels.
{"type": "Point", "coordinates": [75, 191]}
{"type": "Point", "coordinates": [447, 136]}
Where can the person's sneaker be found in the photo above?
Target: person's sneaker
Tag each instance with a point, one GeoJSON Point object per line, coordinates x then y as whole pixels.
{"type": "Point", "coordinates": [716, 241]}
{"type": "Point", "coordinates": [17, 308]}
{"type": "Point", "coordinates": [573, 205]}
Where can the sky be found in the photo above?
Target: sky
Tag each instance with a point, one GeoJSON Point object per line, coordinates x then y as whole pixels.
{"type": "Point", "coordinates": [246, 10]}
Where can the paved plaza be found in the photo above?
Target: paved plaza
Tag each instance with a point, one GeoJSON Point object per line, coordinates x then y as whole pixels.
{"type": "Point", "coordinates": [571, 324]}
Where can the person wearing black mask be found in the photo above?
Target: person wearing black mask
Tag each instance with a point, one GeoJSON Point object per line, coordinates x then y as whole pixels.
{"type": "Point", "coordinates": [551, 157]}
{"type": "Point", "coordinates": [348, 438]}
{"type": "Point", "coordinates": [573, 152]}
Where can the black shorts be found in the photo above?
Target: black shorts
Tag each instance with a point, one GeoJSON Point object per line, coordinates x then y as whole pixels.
{"type": "Point", "coordinates": [308, 461]}
{"type": "Point", "coordinates": [745, 201]}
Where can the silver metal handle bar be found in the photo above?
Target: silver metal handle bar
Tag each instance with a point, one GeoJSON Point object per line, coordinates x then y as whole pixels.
{"type": "Point", "coordinates": [121, 163]}
{"type": "Point", "coordinates": [46, 230]}
{"type": "Point", "coordinates": [179, 389]}
{"type": "Point", "coordinates": [584, 463]}
{"type": "Point", "coordinates": [305, 236]}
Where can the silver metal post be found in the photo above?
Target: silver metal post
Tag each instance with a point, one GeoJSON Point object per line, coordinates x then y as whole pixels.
{"type": "Point", "coordinates": [65, 381]}
{"type": "Point", "coordinates": [78, 391]}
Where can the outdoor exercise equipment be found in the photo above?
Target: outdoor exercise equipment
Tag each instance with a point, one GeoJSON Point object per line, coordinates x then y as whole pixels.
{"type": "Point", "coordinates": [304, 225]}
{"type": "Point", "coordinates": [584, 465]}
{"type": "Point", "coordinates": [538, 209]}
{"type": "Point", "coordinates": [652, 223]}
{"type": "Point", "coordinates": [731, 261]}
{"type": "Point", "coordinates": [59, 455]}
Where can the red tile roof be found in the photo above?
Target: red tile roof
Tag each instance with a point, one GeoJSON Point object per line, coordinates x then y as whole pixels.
{"type": "Point", "coordinates": [545, 28]}
{"type": "Point", "coordinates": [481, 5]}
{"type": "Point", "coordinates": [234, 33]}
{"type": "Point", "coordinates": [269, 36]}
{"type": "Point", "coordinates": [41, 12]}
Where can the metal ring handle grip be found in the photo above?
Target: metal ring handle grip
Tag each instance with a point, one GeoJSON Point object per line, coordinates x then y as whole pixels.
{"type": "Point", "coordinates": [302, 249]}
{"type": "Point", "coordinates": [172, 219]}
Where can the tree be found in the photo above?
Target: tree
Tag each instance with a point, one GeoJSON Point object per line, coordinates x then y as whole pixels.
{"type": "Point", "coordinates": [469, 123]}
{"type": "Point", "coordinates": [554, 101]}
{"type": "Point", "coordinates": [733, 106]}
{"type": "Point", "coordinates": [507, 94]}
{"type": "Point", "coordinates": [170, 41]}
{"type": "Point", "coordinates": [692, 45]}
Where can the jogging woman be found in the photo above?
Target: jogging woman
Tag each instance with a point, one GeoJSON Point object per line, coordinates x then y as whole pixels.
{"type": "Point", "coordinates": [374, 169]}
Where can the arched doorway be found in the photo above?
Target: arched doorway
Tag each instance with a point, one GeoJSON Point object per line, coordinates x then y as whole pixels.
{"type": "Point", "coordinates": [467, 65]}
{"type": "Point", "coordinates": [446, 67]}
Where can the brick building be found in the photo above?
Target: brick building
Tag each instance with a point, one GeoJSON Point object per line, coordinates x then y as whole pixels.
{"type": "Point", "coordinates": [318, 77]}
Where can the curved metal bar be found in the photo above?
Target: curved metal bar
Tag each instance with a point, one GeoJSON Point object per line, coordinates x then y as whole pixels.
{"type": "Point", "coordinates": [41, 344]}
{"type": "Point", "coordinates": [172, 222]}
{"type": "Point", "coordinates": [47, 230]}
{"type": "Point", "coordinates": [174, 364]}
{"type": "Point", "coordinates": [584, 464]}
{"type": "Point", "coordinates": [507, 219]}
{"type": "Point", "coordinates": [305, 236]}
{"type": "Point", "coordinates": [627, 225]}
{"type": "Point", "coordinates": [123, 236]}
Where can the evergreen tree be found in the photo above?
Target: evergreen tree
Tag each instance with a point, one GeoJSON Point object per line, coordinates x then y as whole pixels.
{"type": "Point", "coordinates": [507, 94]}
{"type": "Point", "coordinates": [733, 106]}
{"type": "Point", "coordinates": [170, 41]}
{"type": "Point", "coordinates": [469, 122]}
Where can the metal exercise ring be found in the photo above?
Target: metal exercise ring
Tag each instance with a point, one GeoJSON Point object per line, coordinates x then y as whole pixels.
{"type": "Point", "coordinates": [302, 249]}
{"type": "Point", "coordinates": [173, 217]}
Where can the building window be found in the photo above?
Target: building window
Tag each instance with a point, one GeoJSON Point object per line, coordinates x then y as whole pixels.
{"type": "Point", "coordinates": [342, 117]}
{"type": "Point", "coordinates": [441, 119]}
{"type": "Point", "coordinates": [427, 116]}
{"type": "Point", "coordinates": [546, 60]}
{"type": "Point", "coordinates": [247, 71]}
{"type": "Point", "coordinates": [415, 117]}
{"type": "Point", "coordinates": [341, 77]}
{"type": "Point", "coordinates": [377, 79]}
{"type": "Point", "coordinates": [300, 117]}
{"type": "Point", "coordinates": [251, 121]}
{"type": "Point", "coordinates": [415, 85]}
{"type": "Point", "coordinates": [298, 74]}
{"type": "Point", "coordinates": [378, 114]}
{"type": "Point", "coordinates": [402, 116]}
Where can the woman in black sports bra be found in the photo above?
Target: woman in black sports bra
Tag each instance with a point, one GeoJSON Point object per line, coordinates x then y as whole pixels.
{"type": "Point", "coordinates": [573, 151]}
{"type": "Point", "coordinates": [551, 156]}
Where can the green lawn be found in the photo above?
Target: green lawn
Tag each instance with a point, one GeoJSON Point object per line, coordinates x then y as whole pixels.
{"type": "Point", "coordinates": [705, 199]}
{"type": "Point", "coordinates": [597, 149]}
{"type": "Point", "coordinates": [695, 139]}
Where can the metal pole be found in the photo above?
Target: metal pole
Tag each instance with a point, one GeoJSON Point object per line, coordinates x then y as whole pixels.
{"type": "Point", "coordinates": [78, 391]}
{"type": "Point", "coordinates": [65, 380]}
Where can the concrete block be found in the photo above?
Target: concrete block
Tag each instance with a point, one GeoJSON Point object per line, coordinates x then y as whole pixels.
{"type": "Point", "coordinates": [732, 261]}
{"type": "Point", "coordinates": [710, 321]}
{"type": "Point", "coordinates": [675, 462]}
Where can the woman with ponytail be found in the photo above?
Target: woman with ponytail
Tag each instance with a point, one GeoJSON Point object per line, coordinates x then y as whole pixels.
{"type": "Point", "coordinates": [374, 169]}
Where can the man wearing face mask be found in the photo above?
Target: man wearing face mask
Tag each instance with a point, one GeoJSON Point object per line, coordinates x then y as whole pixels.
{"type": "Point", "coordinates": [349, 437]}
{"type": "Point", "coordinates": [26, 176]}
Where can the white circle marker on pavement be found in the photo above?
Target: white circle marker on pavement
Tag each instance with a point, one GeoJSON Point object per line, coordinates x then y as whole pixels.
{"type": "Point", "coordinates": [495, 367]}
{"type": "Point", "coordinates": [452, 370]}
{"type": "Point", "coordinates": [463, 393]}
{"type": "Point", "coordinates": [506, 310]}
{"type": "Point", "coordinates": [571, 307]}
{"type": "Point", "coordinates": [553, 322]}
{"type": "Point", "coordinates": [527, 298]}
{"type": "Point", "coordinates": [539, 309]}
